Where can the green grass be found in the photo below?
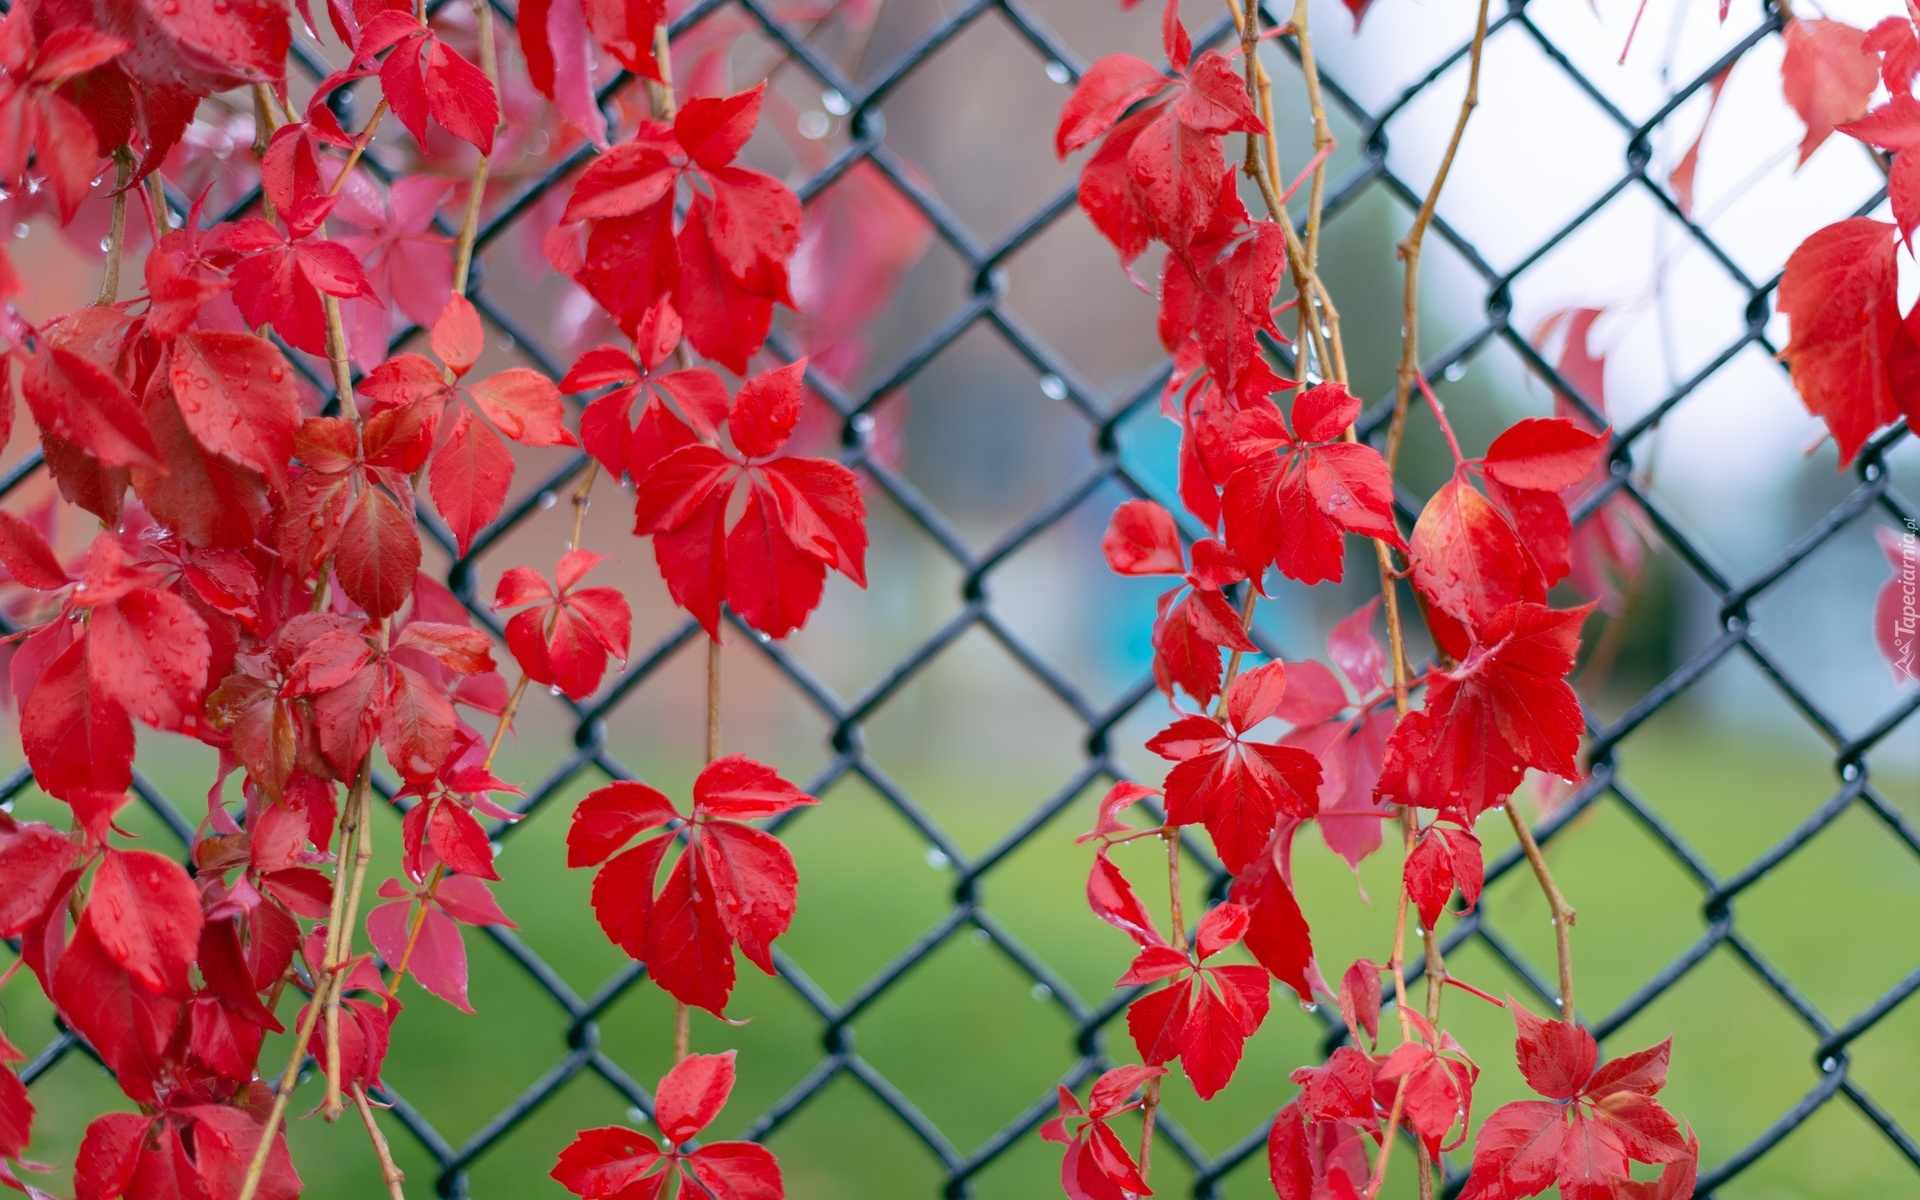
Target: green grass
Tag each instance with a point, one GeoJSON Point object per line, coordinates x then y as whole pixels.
{"type": "Point", "coordinates": [966, 1037]}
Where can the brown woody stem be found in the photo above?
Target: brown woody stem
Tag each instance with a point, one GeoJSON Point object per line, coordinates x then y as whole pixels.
{"type": "Point", "coordinates": [310, 1019]}
{"type": "Point", "coordinates": [390, 1172]}
{"type": "Point", "coordinates": [582, 497]}
{"type": "Point", "coordinates": [360, 801]}
{"type": "Point", "coordinates": [1385, 1156]}
{"type": "Point", "coordinates": [1150, 1096]}
{"type": "Point", "coordinates": [360, 145]}
{"type": "Point", "coordinates": [1409, 249]}
{"type": "Point", "coordinates": [1563, 914]}
{"type": "Point", "coordinates": [116, 226]}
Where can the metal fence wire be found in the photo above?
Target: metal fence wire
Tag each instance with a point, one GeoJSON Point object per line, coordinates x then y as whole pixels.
{"type": "Point", "coordinates": [982, 307]}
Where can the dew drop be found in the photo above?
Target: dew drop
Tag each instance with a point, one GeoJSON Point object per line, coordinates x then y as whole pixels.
{"type": "Point", "coordinates": [863, 423]}
{"type": "Point", "coordinates": [814, 124]}
{"type": "Point", "coordinates": [1455, 372]}
{"type": "Point", "coordinates": [276, 373]}
{"type": "Point", "coordinates": [19, 229]}
{"type": "Point", "coordinates": [548, 499]}
{"type": "Point", "coordinates": [106, 244]}
{"type": "Point", "coordinates": [980, 937]}
{"type": "Point", "coordinates": [553, 689]}
{"type": "Point", "coordinates": [1057, 71]}
{"type": "Point", "coordinates": [1828, 1064]}
{"type": "Point", "coordinates": [1308, 1006]}
{"type": "Point", "coordinates": [1053, 387]}
{"type": "Point", "coordinates": [835, 103]}
{"type": "Point", "coordinates": [1040, 991]}
{"type": "Point", "coordinates": [636, 1116]}
{"type": "Point", "coordinates": [936, 858]}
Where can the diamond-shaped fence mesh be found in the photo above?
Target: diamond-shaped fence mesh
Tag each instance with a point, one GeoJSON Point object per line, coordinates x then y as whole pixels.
{"type": "Point", "coordinates": [997, 285]}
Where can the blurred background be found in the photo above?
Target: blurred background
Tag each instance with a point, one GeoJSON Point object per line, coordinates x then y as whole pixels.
{"type": "Point", "coordinates": [981, 347]}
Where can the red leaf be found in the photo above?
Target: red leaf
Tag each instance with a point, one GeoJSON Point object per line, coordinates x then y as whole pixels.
{"type": "Point", "coordinates": [416, 725]}
{"type": "Point", "coordinates": [1556, 1057]}
{"type": "Point", "coordinates": [687, 947]}
{"type": "Point", "coordinates": [457, 338]}
{"type": "Point", "coordinates": [16, 1115]}
{"type": "Point", "coordinates": [225, 1141]}
{"type": "Point", "coordinates": [713, 130]}
{"type": "Point", "coordinates": [126, 1023]}
{"type": "Point", "coordinates": [524, 405]}
{"type": "Point", "coordinates": [1827, 74]}
{"type": "Point", "coordinates": [1896, 127]}
{"type": "Point", "coordinates": [753, 879]}
{"type": "Point", "coordinates": [609, 817]}
{"type": "Point", "coordinates": [1518, 1151]}
{"type": "Point", "coordinates": [469, 478]}
{"type": "Point", "coordinates": [109, 1154]}
{"type": "Point", "coordinates": [460, 97]}
{"type": "Point", "coordinates": [237, 396]}
{"type": "Point", "coordinates": [1360, 999]}
{"type": "Point", "coordinates": [1277, 932]}
{"type": "Point", "coordinates": [34, 859]}
{"type": "Point", "coordinates": [1237, 788]}
{"type": "Point", "coordinates": [378, 553]}
{"type": "Point", "coordinates": [1441, 861]}
{"type": "Point", "coordinates": [74, 399]}
{"type": "Point", "coordinates": [27, 557]}
{"type": "Point", "coordinates": [623, 895]}
{"type": "Point", "coordinates": [725, 321]}
{"type": "Point", "coordinates": [1142, 539]}
{"type": "Point", "coordinates": [459, 841]}
{"type": "Point", "coordinates": [1507, 707]}
{"type": "Point", "coordinates": [558, 50]}
{"type": "Point", "coordinates": [610, 1162]}
{"type": "Point", "coordinates": [765, 411]}
{"type": "Point", "coordinates": [146, 913]}
{"type": "Point", "coordinates": [1109, 87]}
{"type": "Point", "coordinates": [77, 739]}
{"type": "Point", "coordinates": [740, 789]}
{"type": "Point", "coordinates": [692, 1095]}
{"type": "Point", "coordinates": [1468, 561]}
{"type": "Point", "coordinates": [148, 652]}
{"type": "Point", "coordinates": [439, 959]}
{"type": "Point", "coordinates": [1114, 901]}
{"type": "Point", "coordinates": [1838, 295]}
{"type": "Point", "coordinates": [771, 582]}
{"type": "Point", "coordinates": [1548, 454]}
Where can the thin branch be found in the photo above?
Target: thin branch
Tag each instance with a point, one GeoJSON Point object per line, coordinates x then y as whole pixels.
{"type": "Point", "coordinates": [116, 226]}
{"type": "Point", "coordinates": [1409, 248]}
{"type": "Point", "coordinates": [1563, 914]}
{"type": "Point", "coordinates": [390, 1173]}
{"type": "Point", "coordinates": [582, 497]}
{"type": "Point", "coordinates": [1150, 1096]}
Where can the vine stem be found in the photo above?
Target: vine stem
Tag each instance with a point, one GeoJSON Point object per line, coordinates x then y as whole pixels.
{"type": "Point", "coordinates": [116, 226]}
{"type": "Point", "coordinates": [1563, 914]}
{"type": "Point", "coordinates": [360, 145]}
{"type": "Point", "coordinates": [390, 1172]}
{"type": "Point", "coordinates": [582, 497]}
{"type": "Point", "coordinates": [1409, 249]}
{"type": "Point", "coordinates": [682, 1013]}
{"type": "Point", "coordinates": [310, 1019]}
{"type": "Point", "coordinates": [361, 801]}
{"type": "Point", "coordinates": [1150, 1095]}
{"type": "Point", "coordinates": [1320, 325]}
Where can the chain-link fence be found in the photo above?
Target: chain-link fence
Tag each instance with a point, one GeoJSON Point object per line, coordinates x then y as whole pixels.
{"type": "Point", "coordinates": [982, 306]}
